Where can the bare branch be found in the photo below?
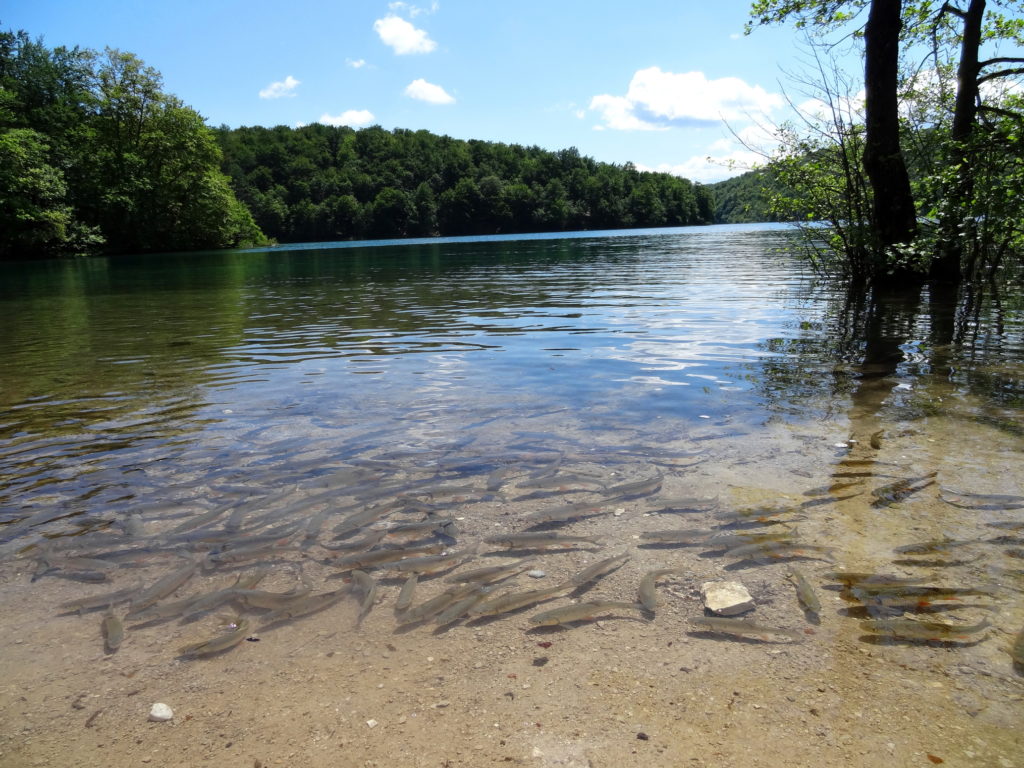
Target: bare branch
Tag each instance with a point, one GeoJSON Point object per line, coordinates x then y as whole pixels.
{"type": "Point", "coordinates": [1000, 60]}
{"type": "Point", "coordinates": [1000, 73]}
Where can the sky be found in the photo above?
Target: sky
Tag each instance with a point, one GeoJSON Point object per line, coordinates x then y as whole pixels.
{"type": "Point", "coordinates": [664, 84]}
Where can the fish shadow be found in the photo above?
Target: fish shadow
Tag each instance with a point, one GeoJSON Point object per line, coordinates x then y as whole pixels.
{"type": "Point", "coordinates": [709, 635]}
{"type": "Point", "coordinates": [880, 640]}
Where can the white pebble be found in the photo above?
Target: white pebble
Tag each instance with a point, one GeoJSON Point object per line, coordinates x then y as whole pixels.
{"type": "Point", "coordinates": [372, 723]}
{"type": "Point", "coordinates": [536, 574]}
{"type": "Point", "coordinates": [160, 713]}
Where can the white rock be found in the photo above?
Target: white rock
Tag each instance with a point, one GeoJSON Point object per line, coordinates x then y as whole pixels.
{"type": "Point", "coordinates": [536, 574]}
{"type": "Point", "coordinates": [160, 713]}
{"type": "Point", "coordinates": [726, 598]}
{"type": "Point", "coordinates": [371, 723]}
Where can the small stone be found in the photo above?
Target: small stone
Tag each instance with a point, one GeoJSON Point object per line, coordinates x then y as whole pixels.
{"type": "Point", "coordinates": [371, 723]}
{"type": "Point", "coordinates": [726, 598]}
{"type": "Point", "coordinates": [160, 713]}
{"type": "Point", "coordinates": [442, 704]}
{"type": "Point", "coordinates": [536, 574]}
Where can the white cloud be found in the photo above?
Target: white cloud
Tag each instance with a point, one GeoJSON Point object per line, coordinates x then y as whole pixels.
{"type": "Point", "coordinates": [412, 10]}
{"type": "Point", "coordinates": [402, 36]}
{"type": "Point", "coordinates": [658, 99]}
{"type": "Point", "coordinates": [618, 114]}
{"type": "Point", "coordinates": [354, 118]}
{"type": "Point", "coordinates": [355, 64]}
{"type": "Point", "coordinates": [424, 91]}
{"type": "Point", "coordinates": [278, 90]}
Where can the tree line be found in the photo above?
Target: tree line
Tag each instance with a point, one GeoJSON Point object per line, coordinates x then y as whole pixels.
{"type": "Point", "coordinates": [96, 157]}
{"type": "Point", "coordinates": [320, 183]}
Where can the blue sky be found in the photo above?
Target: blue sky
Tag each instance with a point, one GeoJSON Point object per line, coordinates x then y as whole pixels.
{"type": "Point", "coordinates": [647, 81]}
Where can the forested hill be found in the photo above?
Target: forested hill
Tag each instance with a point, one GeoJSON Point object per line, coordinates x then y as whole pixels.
{"type": "Point", "coordinates": [744, 198]}
{"type": "Point", "coordinates": [321, 183]}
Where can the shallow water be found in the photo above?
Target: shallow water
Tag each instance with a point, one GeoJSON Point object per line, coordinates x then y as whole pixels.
{"type": "Point", "coordinates": [275, 393]}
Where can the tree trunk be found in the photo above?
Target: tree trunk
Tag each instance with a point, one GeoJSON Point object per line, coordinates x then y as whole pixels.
{"type": "Point", "coordinates": [946, 265]}
{"type": "Point", "coordinates": [893, 211]}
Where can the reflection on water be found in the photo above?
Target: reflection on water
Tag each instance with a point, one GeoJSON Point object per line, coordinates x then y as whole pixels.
{"type": "Point", "coordinates": [694, 398]}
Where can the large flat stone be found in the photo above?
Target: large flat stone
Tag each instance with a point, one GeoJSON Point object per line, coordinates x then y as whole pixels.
{"type": "Point", "coordinates": [726, 598]}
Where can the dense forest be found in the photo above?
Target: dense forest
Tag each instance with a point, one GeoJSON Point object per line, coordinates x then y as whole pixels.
{"type": "Point", "coordinates": [94, 156]}
{"type": "Point", "coordinates": [319, 182]}
{"type": "Point", "coordinates": [746, 198]}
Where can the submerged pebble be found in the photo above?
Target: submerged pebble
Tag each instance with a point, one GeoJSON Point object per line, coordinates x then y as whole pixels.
{"type": "Point", "coordinates": [160, 713]}
{"type": "Point", "coordinates": [536, 574]}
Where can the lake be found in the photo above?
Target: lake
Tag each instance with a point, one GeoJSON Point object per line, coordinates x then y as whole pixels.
{"type": "Point", "coordinates": [695, 399]}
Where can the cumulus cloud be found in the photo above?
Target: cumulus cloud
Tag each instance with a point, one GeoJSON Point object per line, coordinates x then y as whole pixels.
{"type": "Point", "coordinates": [401, 36]}
{"type": "Point", "coordinates": [657, 99]}
{"type": "Point", "coordinates": [279, 90]}
{"type": "Point", "coordinates": [355, 63]}
{"type": "Point", "coordinates": [353, 118]}
{"type": "Point", "coordinates": [424, 91]}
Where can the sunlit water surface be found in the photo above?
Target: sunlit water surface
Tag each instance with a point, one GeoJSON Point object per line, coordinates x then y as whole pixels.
{"type": "Point", "coordinates": [272, 394]}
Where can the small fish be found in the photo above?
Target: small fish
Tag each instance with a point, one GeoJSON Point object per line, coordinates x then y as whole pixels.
{"type": "Point", "coordinates": [100, 601]}
{"type": "Point", "coordinates": [580, 612]}
{"type": "Point", "coordinates": [744, 628]}
{"type": "Point", "coordinates": [161, 588]}
{"type": "Point", "coordinates": [437, 604]}
{"type": "Point", "coordinates": [407, 594]}
{"type": "Point", "coordinates": [599, 569]}
{"type": "Point", "coordinates": [892, 493]}
{"type": "Point", "coordinates": [993, 501]}
{"type": "Point", "coordinates": [634, 490]}
{"type": "Point", "coordinates": [568, 512]}
{"type": "Point", "coordinates": [914, 590]}
{"type": "Point", "coordinates": [560, 481]}
{"type": "Point", "coordinates": [305, 606]}
{"type": "Point", "coordinates": [367, 585]}
{"type": "Point", "coordinates": [378, 557]}
{"type": "Point", "coordinates": [868, 578]}
{"type": "Point", "coordinates": [779, 550]}
{"type": "Point", "coordinates": [255, 598]}
{"type": "Point", "coordinates": [673, 536]}
{"type": "Point", "coordinates": [911, 629]}
{"type": "Point", "coordinates": [460, 608]}
{"type": "Point", "coordinates": [360, 520]}
{"type": "Point", "coordinates": [804, 591]}
{"type": "Point", "coordinates": [875, 441]}
{"type": "Point", "coordinates": [515, 600]}
{"type": "Point", "coordinates": [685, 504]}
{"type": "Point", "coordinates": [490, 573]}
{"type": "Point", "coordinates": [647, 592]}
{"type": "Point", "coordinates": [431, 563]}
{"type": "Point", "coordinates": [539, 540]}
{"type": "Point", "coordinates": [218, 643]}
{"type": "Point", "coordinates": [113, 631]}
{"type": "Point", "coordinates": [758, 514]}
{"type": "Point", "coordinates": [930, 547]}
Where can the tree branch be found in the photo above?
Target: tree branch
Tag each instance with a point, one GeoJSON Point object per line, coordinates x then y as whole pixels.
{"type": "Point", "coordinates": [1001, 60]}
{"type": "Point", "coordinates": [947, 8]}
{"type": "Point", "coordinates": [1000, 73]}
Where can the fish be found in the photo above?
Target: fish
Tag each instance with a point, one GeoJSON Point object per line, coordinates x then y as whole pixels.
{"type": "Point", "coordinates": [992, 501]}
{"type": "Point", "coordinates": [513, 601]}
{"type": "Point", "coordinates": [1017, 649]}
{"type": "Point", "coordinates": [778, 550]}
{"type": "Point", "coordinates": [490, 573]}
{"type": "Point", "coordinates": [646, 593]}
{"type": "Point", "coordinates": [367, 585]}
{"type": "Point", "coordinates": [539, 540]}
{"type": "Point", "coordinates": [113, 631]}
{"type": "Point", "coordinates": [378, 557]}
{"type": "Point", "coordinates": [100, 601]}
{"type": "Point", "coordinates": [598, 569]}
{"type": "Point", "coordinates": [758, 514]}
{"type": "Point", "coordinates": [674, 536]}
{"type": "Point", "coordinates": [217, 644]}
{"type": "Point", "coordinates": [255, 598]}
{"type": "Point", "coordinates": [161, 588]}
{"type": "Point", "coordinates": [916, 590]}
{"type": "Point", "coordinates": [560, 481]}
{"type": "Point", "coordinates": [634, 490]}
{"type": "Point", "coordinates": [305, 606]}
{"type": "Point", "coordinates": [580, 612]}
{"type": "Point", "coordinates": [211, 600]}
{"type": "Point", "coordinates": [929, 547]}
{"type": "Point", "coordinates": [431, 563]}
{"type": "Point", "coordinates": [868, 578]}
{"type": "Point", "coordinates": [460, 608]}
{"type": "Point", "coordinates": [804, 591]}
{"type": "Point", "coordinates": [738, 538]}
{"type": "Point", "coordinates": [744, 628]}
{"type": "Point", "coordinates": [407, 593]}
{"type": "Point", "coordinates": [437, 604]}
{"type": "Point", "coordinates": [568, 512]}
{"type": "Point", "coordinates": [892, 493]}
{"type": "Point", "coordinates": [360, 520]}
{"type": "Point", "coordinates": [912, 629]}
{"type": "Point", "coordinates": [685, 504]}
{"type": "Point", "coordinates": [875, 441]}
{"type": "Point", "coordinates": [359, 545]}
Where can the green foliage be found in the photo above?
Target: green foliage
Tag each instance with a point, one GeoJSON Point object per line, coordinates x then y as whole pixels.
{"type": "Point", "coordinates": [95, 154]}
{"type": "Point", "coordinates": [747, 198]}
{"type": "Point", "coordinates": [320, 182]}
